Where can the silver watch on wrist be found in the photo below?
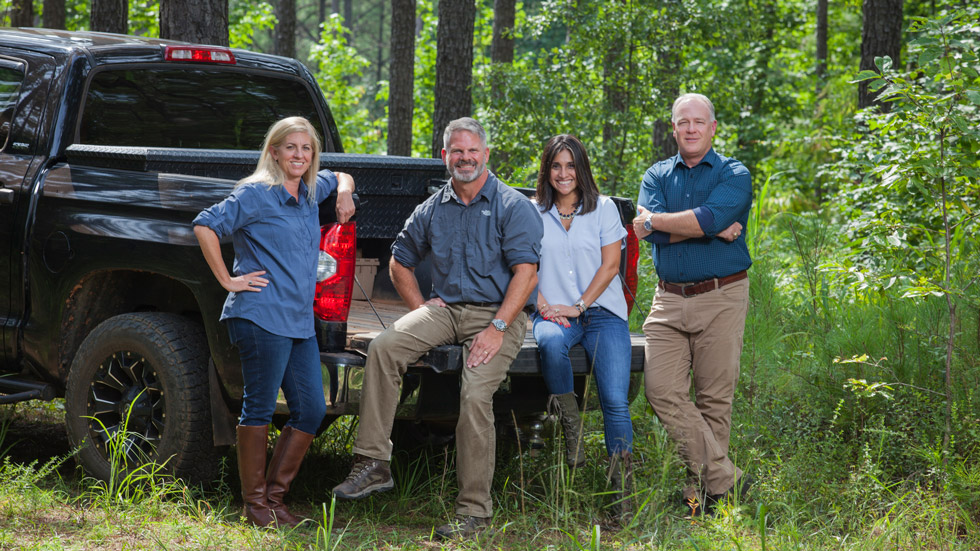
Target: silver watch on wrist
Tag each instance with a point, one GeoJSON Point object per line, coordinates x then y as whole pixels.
{"type": "Point", "coordinates": [648, 223]}
{"type": "Point", "coordinates": [499, 324]}
{"type": "Point", "coordinates": [580, 306]}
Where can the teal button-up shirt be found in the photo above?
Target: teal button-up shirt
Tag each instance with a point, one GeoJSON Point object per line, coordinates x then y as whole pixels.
{"type": "Point", "coordinates": [719, 191]}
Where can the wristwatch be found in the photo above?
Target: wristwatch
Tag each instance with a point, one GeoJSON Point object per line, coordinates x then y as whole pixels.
{"type": "Point", "coordinates": [580, 306]}
{"type": "Point", "coordinates": [648, 223]}
{"type": "Point", "coordinates": [499, 325]}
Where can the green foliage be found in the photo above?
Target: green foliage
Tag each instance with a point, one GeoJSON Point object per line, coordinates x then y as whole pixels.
{"type": "Point", "coordinates": [246, 18]}
{"type": "Point", "coordinates": [913, 174]}
{"type": "Point", "coordinates": [337, 66]}
{"type": "Point", "coordinates": [144, 17]}
{"type": "Point", "coordinates": [425, 80]}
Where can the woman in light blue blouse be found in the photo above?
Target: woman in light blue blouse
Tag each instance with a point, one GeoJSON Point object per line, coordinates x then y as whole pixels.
{"type": "Point", "coordinates": [272, 217]}
{"type": "Point", "coordinates": [581, 301]}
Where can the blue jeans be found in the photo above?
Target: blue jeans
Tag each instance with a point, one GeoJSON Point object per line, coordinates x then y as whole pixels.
{"type": "Point", "coordinates": [605, 338]}
{"type": "Point", "coordinates": [271, 362]}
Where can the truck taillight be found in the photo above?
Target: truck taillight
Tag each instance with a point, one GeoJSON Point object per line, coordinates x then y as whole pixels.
{"type": "Point", "coordinates": [200, 54]}
{"type": "Point", "coordinates": [335, 271]}
{"type": "Point", "coordinates": [632, 256]}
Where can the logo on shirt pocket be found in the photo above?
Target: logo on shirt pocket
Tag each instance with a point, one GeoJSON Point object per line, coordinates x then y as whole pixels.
{"type": "Point", "coordinates": [485, 212]}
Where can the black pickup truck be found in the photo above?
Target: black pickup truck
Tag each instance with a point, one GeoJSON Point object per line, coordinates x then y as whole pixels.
{"type": "Point", "coordinates": [110, 146]}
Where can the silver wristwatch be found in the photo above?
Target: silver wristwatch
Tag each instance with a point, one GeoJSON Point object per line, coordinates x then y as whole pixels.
{"type": "Point", "coordinates": [648, 223]}
{"type": "Point", "coordinates": [580, 306]}
{"type": "Point", "coordinates": [499, 325]}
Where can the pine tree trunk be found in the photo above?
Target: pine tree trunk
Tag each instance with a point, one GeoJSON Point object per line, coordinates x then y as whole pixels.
{"type": "Point", "coordinates": [401, 92]}
{"type": "Point", "coordinates": [22, 13]}
{"type": "Point", "coordinates": [502, 46]}
{"type": "Point", "coordinates": [454, 66]}
{"type": "Point", "coordinates": [821, 42]}
{"type": "Point", "coordinates": [881, 35]}
{"type": "Point", "coordinates": [286, 28]}
{"type": "Point", "coordinates": [199, 21]}
{"type": "Point", "coordinates": [379, 75]}
{"type": "Point", "coordinates": [110, 16]}
{"type": "Point", "coordinates": [54, 14]}
{"type": "Point", "coordinates": [501, 53]}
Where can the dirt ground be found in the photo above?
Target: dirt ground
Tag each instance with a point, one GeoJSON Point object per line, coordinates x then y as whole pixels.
{"type": "Point", "coordinates": [34, 430]}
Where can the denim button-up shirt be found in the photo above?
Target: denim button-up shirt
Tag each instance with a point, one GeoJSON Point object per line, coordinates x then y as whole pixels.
{"type": "Point", "coordinates": [275, 232]}
{"type": "Point", "coordinates": [719, 191]}
{"type": "Point", "coordinates": [472, 247]}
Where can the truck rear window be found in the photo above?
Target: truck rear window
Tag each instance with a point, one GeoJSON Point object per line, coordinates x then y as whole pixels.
{"type": "Point", "coordinates": [189, 108]}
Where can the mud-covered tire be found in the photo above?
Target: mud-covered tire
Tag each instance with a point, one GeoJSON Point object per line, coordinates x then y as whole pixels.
{"type": "Point", "coordinates": [143, 378]}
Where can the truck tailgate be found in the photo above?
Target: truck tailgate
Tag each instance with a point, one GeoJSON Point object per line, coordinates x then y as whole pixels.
{"type": "Point", "coordinates": [363, 325]}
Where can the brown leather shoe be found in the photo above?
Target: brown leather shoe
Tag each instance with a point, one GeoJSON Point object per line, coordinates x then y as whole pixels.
{"type": "Point", "coordinates": [251, 468]}
{"type": "Point", "coordinates": [286, 460]}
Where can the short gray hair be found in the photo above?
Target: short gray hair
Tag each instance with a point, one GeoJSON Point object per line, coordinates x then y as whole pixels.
{"type": "Point", "coordinates": [688, 97]}
{"type": "Point", "coordinates": [467, 124]}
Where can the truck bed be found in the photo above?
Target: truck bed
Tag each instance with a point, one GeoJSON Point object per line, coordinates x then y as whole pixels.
{"type": "Point", "coordinates": [363, 325]}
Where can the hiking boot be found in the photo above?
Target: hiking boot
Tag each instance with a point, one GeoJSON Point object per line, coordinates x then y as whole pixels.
{"type": "Point", "coordinates": [620, 480]}
{"type": "Point", "coordinates": [566, 408]}
{"type": "Point", "coordinates": [698, 507]}
{"type": "Point", "coordinates": [738, 490]}
{"type": "Point", "coordinates": [463, 527]}
{"type": "Point", "coordinates": [366, 477]}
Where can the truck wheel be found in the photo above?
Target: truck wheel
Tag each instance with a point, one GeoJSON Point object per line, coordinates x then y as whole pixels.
{"type": "Point", "coordinates": [138, 392]}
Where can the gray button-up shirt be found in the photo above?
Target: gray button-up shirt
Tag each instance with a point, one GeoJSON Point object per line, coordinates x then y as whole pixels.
{"type": "Point", "coordinates": [472, 247]}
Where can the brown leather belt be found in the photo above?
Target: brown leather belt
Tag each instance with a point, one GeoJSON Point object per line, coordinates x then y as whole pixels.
{"type": "Point", "coordinates": [702, 286]}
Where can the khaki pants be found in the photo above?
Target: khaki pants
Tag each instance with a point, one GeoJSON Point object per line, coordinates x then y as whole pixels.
{"type": "Point", "coordinates": [404, 342]}
{"type": "Point", "coordinates": [697, 339]}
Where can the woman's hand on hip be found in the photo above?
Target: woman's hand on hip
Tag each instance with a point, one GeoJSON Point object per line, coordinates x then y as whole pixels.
{"type": "Point", "coordinates": [247, 282]}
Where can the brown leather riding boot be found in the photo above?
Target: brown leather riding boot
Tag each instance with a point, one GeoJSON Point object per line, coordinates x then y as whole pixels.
{"type": "Point", "coordinates": [286, 459]}
{"type": "Point", "coordinates": [251, 468]}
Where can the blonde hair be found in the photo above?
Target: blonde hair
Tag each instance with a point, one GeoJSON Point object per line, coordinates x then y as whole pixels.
{"type": "Point", "coordinates": [268, 171]}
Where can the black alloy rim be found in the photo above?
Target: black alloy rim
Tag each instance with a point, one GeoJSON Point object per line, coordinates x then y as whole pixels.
{"type": "Point", "coordinates": [126, 408]}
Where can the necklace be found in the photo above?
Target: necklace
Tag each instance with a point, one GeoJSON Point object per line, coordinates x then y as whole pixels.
{"type": "Point", "coordinates": [568, 216]}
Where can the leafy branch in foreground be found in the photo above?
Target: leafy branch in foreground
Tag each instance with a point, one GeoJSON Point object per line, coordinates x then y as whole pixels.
{"type": "Point", "coordinates": [915, 207]}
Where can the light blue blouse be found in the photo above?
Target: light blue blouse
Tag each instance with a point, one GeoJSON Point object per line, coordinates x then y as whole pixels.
{"type": "Point", "coordinates": [275, 232]}
{"type": "Point", "coordinates": [570, 259]}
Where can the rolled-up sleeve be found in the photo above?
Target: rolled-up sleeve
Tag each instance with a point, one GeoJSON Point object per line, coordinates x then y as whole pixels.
{"type": "Point", "coordinates": [523, 230]}
{"type": "Point", "coordinates": [326, 183]}
{"type": "Point", "coordinates": [411, 244]}
{"type": "Point", "coordinates": [234, 212]}
{"type": "Point", "coordinates": [731, 200]}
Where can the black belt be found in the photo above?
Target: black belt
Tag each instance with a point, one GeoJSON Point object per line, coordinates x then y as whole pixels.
{"type": "Point", "coordinates": [702, 286]}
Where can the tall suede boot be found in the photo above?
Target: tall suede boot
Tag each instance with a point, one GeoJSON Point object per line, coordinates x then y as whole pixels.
{"type": "Point", "coordinates": [286, 459]}
{"type": "Point", "coordinates": [251, 468]}
{"type": "Point", "coordinates": [566, 408]}
{"type": "Point", "coordinates": [621, 483]}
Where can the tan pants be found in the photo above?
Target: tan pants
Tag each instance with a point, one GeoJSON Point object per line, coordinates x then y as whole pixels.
{"type": "Point", "coordinates": [404, 342]}
{"type": "Point", "coordinates": [697, 339]}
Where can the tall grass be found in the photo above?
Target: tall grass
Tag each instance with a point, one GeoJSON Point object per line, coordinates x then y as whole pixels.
{"type": "Point", "coordinates": [838, 416]}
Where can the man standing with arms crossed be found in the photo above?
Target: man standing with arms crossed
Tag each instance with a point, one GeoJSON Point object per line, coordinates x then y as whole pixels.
{"type": "Point", "coordinates": [692, 209]}
{"type": "Point", "coordinates": [484, 239]}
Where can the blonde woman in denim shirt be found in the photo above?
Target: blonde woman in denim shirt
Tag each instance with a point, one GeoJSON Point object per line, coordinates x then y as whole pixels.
{"type": "Point", "coordinates": [272, 217]}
